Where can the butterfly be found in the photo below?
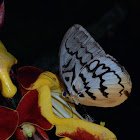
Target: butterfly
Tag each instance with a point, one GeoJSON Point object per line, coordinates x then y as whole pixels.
{"type": "Point", "coordinates": [91, 77]}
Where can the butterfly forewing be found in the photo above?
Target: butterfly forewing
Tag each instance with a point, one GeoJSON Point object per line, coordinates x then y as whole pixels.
{"type": "Point", "coordinates": [91, 76]}
{"type": "Point", "coordinates": [77, 48]}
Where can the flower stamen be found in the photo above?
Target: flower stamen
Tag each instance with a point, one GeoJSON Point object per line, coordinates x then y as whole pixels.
{"type": "Point", "coordinates": [28, 130]}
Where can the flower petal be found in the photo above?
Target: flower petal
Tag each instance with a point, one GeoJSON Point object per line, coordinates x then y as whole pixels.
{"type": "Point", "coordinates": [65, 127]}
{"type": "Point", "coordinates": [70, 127]}
{"type": "Point", "coordinates": [22, 90]}
{"type": "Point", "coordinates": [28, 75]}
{"type": "Point", "coordinates": [80, 134]}
{"type": "Point", "coordinates": [42, 133]}
{"type": "Point", "coordinates": [31, 78]}
{"type": "Point", "coordinates": [29, 111]}
{"type": "Point", "coordinates": [8, 89]}
{"type": "Point", "coordinates": [8, 122]}
{"type": "Point", "coordinates": [81, 130]}
{"type": "Point", "coordinates": [19, 134]}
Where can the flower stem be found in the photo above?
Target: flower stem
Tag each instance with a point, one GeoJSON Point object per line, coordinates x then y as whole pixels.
{"type": "Point", "coordinates": [13, 103]}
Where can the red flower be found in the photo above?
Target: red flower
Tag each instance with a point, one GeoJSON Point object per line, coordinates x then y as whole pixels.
{"type": "Point", "coordinates": [35, 108]}
{"type": "Point", "coordinates": [71, 128]}
{"type": "Point", "coordinates": [27, 114]}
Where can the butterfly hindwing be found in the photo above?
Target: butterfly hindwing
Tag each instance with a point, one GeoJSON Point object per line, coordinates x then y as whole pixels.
{"type": "Point", "coordinates": [102, 79]}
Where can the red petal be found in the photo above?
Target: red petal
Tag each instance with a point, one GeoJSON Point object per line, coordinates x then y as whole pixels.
{"type": "Point", "coordinates": [29, 111]}
{"type": "Point", "coordinates": [80, 134]}
{"type": "Point", "coordinates": [1, 13]}
{"type": "Point", "coordinates": [19, 134]}
{"type": "Point", "coordinates": [8, 122]}
{"type": "Point", "coordinates": [22, 90]}
{"type": "Point", "coordinates": [42, 133]}
{"type": "Point", "coordinates": [28, 75]}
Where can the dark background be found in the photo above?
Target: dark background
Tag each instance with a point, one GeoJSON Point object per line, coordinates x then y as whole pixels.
{"type": "Point", "coordinates": [33, 31]}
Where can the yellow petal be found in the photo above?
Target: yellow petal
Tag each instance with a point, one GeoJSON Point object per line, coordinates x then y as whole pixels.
{"type": "Point", "coordinates": [70, 127]}
{"type": "Point", "coordinates": [66, 127]}
{"type": "Point", "coordinates": [8, 89]}
{"type": "Point", "coordinates": [66, 138]}
{"type": "Point", "coordinates": [46, 78]}
{"type": "Point", "coordinates": [60, 107]}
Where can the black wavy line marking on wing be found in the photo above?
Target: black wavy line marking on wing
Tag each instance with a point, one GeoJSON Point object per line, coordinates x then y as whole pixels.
{"type": "Point", "coordinates": [102, 87]}
{"type": "Point", "coordinates": [86, 87]}
{"type": "Point", "coordinates": [66, 65]}
{"type": "Point", "coordinates": [76, 53]}
{"type": "Point", "coordinates": [67, 78]}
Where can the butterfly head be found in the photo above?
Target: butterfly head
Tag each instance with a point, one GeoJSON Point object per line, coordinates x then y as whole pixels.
{"type": "Point", "coordinates": [70, 97]}
{"type": "Point", "coordinates": [64, 93]}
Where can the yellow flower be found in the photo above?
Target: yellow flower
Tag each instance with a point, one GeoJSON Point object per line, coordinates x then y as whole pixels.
{"type": "Point", "coordinates": [70, 127]}
{"type": "Point", "coordinates": [32, 78]}
{"type": "Point", "coordinates": [47, 84]}
{"type": "Point", "coordinates": [52, 105]}
{"type": "Point", "coordinates": [7, 88]}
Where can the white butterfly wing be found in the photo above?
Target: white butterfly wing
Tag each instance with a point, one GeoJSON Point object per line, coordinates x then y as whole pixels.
{"type": "Point", "coordinates": [92, 78]}
{"type": "Point", "coordinates": [77, 48]}
{"type": "Point", "coordinates": [102, 82]}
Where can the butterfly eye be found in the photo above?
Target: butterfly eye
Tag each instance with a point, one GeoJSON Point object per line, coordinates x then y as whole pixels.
{"type": "Point", "coordinates": [64, 94]}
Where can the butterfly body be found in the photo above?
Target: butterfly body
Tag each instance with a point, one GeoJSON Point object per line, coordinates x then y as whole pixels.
{"type": "Point", "coordinates": [91, 76]}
